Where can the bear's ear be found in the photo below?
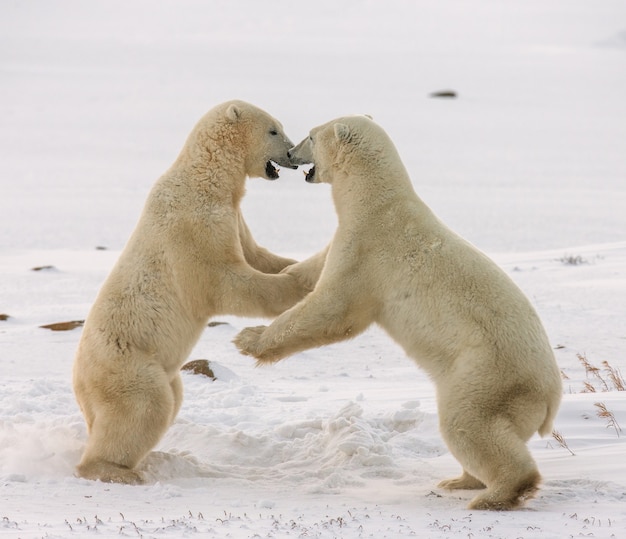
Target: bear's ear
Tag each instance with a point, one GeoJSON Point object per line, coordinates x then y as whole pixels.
{"type": "Point", "coordinates": [233, 113]}
{"type": "Point", "coordinates": [368, 116]}
{"type": "Point", "coordinates": [342, 132]}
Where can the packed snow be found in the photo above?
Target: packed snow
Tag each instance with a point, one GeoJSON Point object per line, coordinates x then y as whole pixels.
{"type": "Point", "coordinates": [528, 163]}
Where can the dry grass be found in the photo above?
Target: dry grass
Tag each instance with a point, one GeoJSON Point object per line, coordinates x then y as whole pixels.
{"type": "Point", "coordinates": [608, 415]}
{"type": "Point", "coordinates": [227, 524]}
{"type": "Point", "coordinates": [608, 378]}
{"type": "Point", "coordinates": [589, 387]}
{"type": "Point", "coordinates": [561, 441]}
{"type": "Point", "coordinates": [571, 260]}
{"type": "Point", "coordinates": [615, 376]}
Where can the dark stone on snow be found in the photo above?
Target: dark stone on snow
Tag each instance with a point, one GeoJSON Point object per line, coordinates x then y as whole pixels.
{"type": "Point", "coordinates": [449, 94]}
{"type": "Point", "coordinates": [199, 366]}
{"type": "Point", "coordinates": [64, 326]}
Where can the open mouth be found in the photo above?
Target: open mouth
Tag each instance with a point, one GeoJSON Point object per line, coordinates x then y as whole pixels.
{"type": "Point", "coordinates": [271, 171]}
{"type": "Point", "coordinates": [310, 175]}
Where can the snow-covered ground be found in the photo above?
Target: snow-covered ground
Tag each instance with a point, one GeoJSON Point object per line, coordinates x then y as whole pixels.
{"type": "Point", "coordinates": [529, 163]}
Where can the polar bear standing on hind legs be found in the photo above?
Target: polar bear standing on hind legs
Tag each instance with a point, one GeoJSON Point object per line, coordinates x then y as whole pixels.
{"type": "Point", "coordinates": [190, 257]}
{"type": "Point", "coordinates": [451, 308]}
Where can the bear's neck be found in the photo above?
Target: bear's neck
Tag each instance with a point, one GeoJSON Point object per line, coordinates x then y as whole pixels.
{"type": "Point", "coordinates": [372, 194]}
{"type": "Point", "coordinates": [220, 173]}
{"type": "Point", "coordinates": [370, 189]}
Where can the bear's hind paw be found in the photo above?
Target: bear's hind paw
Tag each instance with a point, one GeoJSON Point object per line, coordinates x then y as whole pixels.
{"type": "Point", "coordinates": [108, 472]}
{"type": "Point", "coordinates": [465, 482]}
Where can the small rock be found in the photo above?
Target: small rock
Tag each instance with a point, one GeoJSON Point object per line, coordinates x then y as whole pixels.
{"type": "Point", "coordinates": [40, 268]}
{"type": "Point", "coordinates": [216, 323]}
{"type": "Point", "coordinates": [4, 317]}
{"type": "Point", "coordinates": [199, 366]}
{"type": "Point", "coordinates": [449, 94]}
{"type": "Point", "coordinates": [63, 326]}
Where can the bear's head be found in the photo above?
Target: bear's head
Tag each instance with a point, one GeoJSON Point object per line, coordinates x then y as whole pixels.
{"type": "Point", "coordinates": [334, 146]}
{"type": "Point", "coordinates": [264, 140]}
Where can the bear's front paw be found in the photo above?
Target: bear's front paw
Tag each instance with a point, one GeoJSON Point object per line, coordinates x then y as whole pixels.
{"type": "Point", "coordinates": [247, 340]}
{"type": "Point", "coordinates": [302, 278]}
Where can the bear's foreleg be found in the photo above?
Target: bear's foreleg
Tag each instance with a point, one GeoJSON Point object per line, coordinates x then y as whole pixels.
{"type": "Point", "coordinates": [323, 317]}
{"type": "Point", "coordinates": [308, 271]}
{"type": "Point", "coordinates": [259, 257]}
{"type": "Point", "coordinates": [249, 292]}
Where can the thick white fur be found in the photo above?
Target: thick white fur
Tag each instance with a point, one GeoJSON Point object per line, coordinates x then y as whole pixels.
{"type": "Point", "coordinates": [451, 308]}
{"type": "Point", "coordinates": [190, 257]}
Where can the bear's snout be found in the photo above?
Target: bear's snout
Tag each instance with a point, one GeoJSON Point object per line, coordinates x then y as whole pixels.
{"type": "Point", "coordinates": [296, 160]}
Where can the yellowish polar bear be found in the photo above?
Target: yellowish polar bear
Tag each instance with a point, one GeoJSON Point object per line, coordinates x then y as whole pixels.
{"type": "Point", "coordinates": [451, 308]}
{"type": "Point", "coordinates": [190, 257]}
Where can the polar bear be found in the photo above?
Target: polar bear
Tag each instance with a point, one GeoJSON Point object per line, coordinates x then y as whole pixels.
{"type": "Point", "coordinates": [190, 257]}
{"type": "Point", "coordinates": [450, 307]}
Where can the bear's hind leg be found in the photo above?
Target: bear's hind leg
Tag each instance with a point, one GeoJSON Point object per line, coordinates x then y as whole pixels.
{"type": "Point", "coordinates": [126, 427]}
{"type": "Point", "coordinates": [496, 456]}
{"type": "Point", "coordinates": [177, 391]}
{"type": "Point", "coordinates": [508, 495]}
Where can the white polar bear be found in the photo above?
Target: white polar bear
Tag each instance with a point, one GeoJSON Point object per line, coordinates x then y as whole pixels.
{"type": "Point", "coordinates": [190, 257]}
{"type": "Point", "coordinates": [452, 309]}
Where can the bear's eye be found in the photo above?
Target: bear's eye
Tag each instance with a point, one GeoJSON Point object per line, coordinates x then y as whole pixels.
{"type": "Point", "coordinates": [273, 132]}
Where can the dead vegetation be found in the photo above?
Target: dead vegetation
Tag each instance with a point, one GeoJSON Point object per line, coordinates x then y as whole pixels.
{"type": "Point", "coordinates": [561, 441]}
{"type": "Point", "coordinates": [607, 378]}
{"type": "Point", "coordinates": [573, 260]}
{"type": "Point", "coordinates": [603, 413]}
{"type": "Point", "coordinates": [600, 380]}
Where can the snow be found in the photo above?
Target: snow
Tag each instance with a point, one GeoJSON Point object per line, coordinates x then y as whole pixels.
{"type": "Point", "coordinates": [96, 100]}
